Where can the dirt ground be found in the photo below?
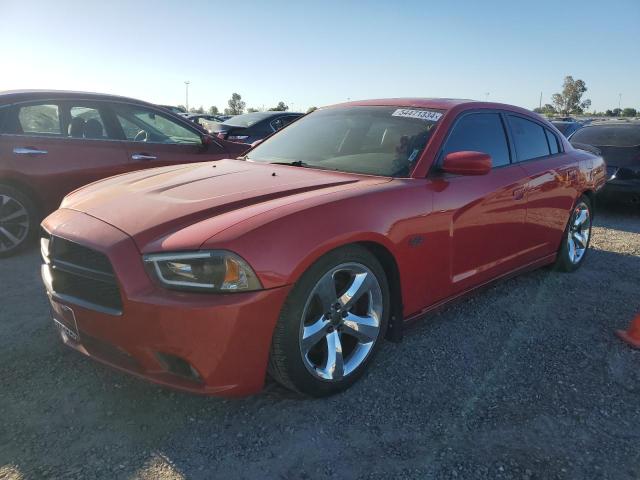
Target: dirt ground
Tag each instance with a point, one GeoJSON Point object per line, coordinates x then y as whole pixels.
{"type": "Point", "coordinates": [523, 380]}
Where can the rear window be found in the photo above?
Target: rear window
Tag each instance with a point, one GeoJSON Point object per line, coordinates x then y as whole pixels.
{"type": "Point", "coordinates": [39, 119]}
{"type": "Point", "coordinates": [530, 139]}
{"type": "Point", "coordinates": [609, 135]}
{"type": "Point", "coordinates": [248, 119]}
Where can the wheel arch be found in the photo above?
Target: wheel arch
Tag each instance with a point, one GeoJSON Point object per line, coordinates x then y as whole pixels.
{"type": "Point", "coordinates": [591, 195]}
{"type": "Point", "coordinates": [389, 263]}
{"type": "Point", "coordinates": [390, 266]}
{"type": "Point", "coordinates": [24, 188]}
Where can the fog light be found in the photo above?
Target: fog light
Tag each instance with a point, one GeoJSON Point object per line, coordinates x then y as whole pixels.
{"type": "Point", "coordinates": [178, 366]}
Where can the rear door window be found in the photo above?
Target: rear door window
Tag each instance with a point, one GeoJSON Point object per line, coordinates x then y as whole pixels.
{"type": "Point", "coordinates": [86, 122]}
{"type": "Point", "coordinates": [529, 137]}
{"type": "Point", "coordinates": [480, 132]}
{"type": "Point", "coordinates": [41, 119]}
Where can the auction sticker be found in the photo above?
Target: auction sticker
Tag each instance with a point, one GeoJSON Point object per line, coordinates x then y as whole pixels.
{"type": "Point", "coordinates": [428, 115]}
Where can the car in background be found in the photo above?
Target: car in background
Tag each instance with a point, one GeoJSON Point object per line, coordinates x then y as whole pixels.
{"type": "Point", "coordinates": [251, 127]}
{"type": "Point", "coordinates": [52, 142]}
{"type": "Point", "coordinates": [566, 127]}
{"type": "Point", "coordinates": [177, 110]}
{"type": "Point", "coordinates": [301, 257]}
{"type": "Point", "coordinates": [619, 144]}
{"type": "Point", "coordinates": [201, 118]}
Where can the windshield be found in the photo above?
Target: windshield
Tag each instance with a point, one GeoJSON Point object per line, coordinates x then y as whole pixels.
{"type": "Point", "coordinates": [247, 119]}
{"type": "Point", "coordinates": [383, 141]}
{"type": "Point", "coordinates": [609, 135]}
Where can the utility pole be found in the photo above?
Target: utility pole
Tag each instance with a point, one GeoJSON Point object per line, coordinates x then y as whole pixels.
{"type": "Point", "coordinates": [540, 100]}
{"type": "Point", "coordinates": [186, 84]}
{"type": "Point", "coordinates": [619, 103]}
{"type": "Point", "coordinates": [486, 96]}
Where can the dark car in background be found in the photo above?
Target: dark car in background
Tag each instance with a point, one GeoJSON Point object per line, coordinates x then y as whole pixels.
{"type": "Point", "coordinates": [200, 118]}
{"type": "Point", "coordinates": [52, 142]}
{"type": "Point", "coordinates": [566, 127]}
{"type": "Point", "coordinates": [619, 145]}
{"type": "Point", "coordinates": [251, 127]}
{"type": "Point", "coordinates": [172, 109]}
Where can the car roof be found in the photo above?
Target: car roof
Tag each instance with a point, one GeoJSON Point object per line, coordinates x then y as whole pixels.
{"type": "Point", "coordinates": [616, 122]}
{"type": "Point", "coordinates": [11, 96]}
{"type": "Point", "coordinates": [435, 103]}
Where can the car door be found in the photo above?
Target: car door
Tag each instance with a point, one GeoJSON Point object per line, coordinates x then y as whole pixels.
{"type": "Point", "coordinates": [50, 146]}
{"type": "Point", "coordinates": [153, 139]}
{"type": "Point", "coordinates": [551, 184]}
{"type": "Point", "coordinates": [484, 214]}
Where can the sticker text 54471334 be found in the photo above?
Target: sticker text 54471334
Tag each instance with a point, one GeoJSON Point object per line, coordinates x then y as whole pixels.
{"type": "Point", "coordinates": [428, 115]}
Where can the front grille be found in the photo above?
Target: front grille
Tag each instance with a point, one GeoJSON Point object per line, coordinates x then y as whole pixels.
{"type": "Point", "coordinates": [83, 275]}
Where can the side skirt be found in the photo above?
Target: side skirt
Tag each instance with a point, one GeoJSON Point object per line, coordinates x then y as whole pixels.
{"type": "Point", "coordinates": [536, 264]}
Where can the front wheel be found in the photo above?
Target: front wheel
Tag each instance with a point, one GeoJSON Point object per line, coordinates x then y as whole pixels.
{"type": "Point", "coordinates": [576, 238]}
{"type": "Point", "coordinates": [331, 324]}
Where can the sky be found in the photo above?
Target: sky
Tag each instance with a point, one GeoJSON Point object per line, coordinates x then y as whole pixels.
{"type": "Point", "coordinates": [314, 53]}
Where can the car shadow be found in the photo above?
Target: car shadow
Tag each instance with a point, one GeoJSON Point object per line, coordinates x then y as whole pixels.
{"type": "Point", "coordinates": [618, 216]}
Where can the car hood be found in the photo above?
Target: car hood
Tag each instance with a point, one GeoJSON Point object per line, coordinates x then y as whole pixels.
{"type": "Point", "coordinates": [154, 203]}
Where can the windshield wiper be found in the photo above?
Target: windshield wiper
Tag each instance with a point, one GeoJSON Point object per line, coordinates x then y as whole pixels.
{"type": "Point", "coordinates": [295, 163]}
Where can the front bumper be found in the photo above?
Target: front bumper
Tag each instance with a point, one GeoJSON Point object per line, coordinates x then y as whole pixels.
{"type": "Point", "coordinates": [223, 338]}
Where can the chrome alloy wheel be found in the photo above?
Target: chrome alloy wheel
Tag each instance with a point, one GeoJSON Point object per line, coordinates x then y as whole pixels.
{"type": "Point", "coordinates": [341, 321]}
{"type": "Point", "coordinates": [14, 223]}
{"type": "Point", "coordinates": [578, 233]}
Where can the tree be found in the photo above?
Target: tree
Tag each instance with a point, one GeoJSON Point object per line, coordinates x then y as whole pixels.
{"type": "Point", "coordinates": [629, 112]}
{"type": "Point", "coordinates": [236, 105]}
{"type": "Point", "coordinates": [570, 99]}
{"type": "Point", "coordinates": [616, 112]}
{"type": "Point", "coordinates": [311, 109]}
{"type": "Point", "coordinates": [199, 110]}
{"type": "Point", "coordinates": [213, 110]}
{"type": "Point", "coordinates": [281, 107]}
{"type": "Point", "coordinates": [546, 109]}
{"type": "Point", "coordinates": [252, 110]}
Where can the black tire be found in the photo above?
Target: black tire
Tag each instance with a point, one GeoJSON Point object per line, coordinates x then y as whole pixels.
{"type": "Point", "coordinates": [24, 228]}
{"type": "Point", "coordinates": [286, 364]}
{"type": "Point", "coordinates": [564, 262]}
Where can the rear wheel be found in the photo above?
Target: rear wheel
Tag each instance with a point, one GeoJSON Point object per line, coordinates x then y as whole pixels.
{"type": "Point", "coordinates": [331, 324]}
{"type": "Point", "coordinates": [577, 236]}
{"type": "Point", "coordinates": [18, 220]}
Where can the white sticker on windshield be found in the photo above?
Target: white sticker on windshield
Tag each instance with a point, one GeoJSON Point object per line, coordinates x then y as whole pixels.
{"type": "Point", "coordinates": [428, 115]}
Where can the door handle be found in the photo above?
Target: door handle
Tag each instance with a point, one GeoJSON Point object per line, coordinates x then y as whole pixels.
{"type": "Point", "coordinates": [143, 156]}
{"type": "Point", "coordinates": [29, 151]}
{"type": "Point", "coordinates": [518, 193]}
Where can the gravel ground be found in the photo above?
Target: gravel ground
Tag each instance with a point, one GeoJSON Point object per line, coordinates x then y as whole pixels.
{"type": "Point", "coordinates": [524, 380]}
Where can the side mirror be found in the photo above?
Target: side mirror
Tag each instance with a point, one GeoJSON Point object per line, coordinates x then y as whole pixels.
{"type": "Point", "coordinates": [467, 163]}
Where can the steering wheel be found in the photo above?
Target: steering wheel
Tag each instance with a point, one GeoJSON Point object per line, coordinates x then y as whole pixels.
{"type": "Point", "coordinates": [141, 136]}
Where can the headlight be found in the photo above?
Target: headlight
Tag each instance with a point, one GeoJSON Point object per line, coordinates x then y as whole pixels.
{"type": "Point", "coordinates": [213, 271]}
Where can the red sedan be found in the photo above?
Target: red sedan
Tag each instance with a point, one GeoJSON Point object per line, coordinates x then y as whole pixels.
{"type": "Point", "coordinates": [300, 258]}
{"type": "Point", "coordinates": [53, 142]}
